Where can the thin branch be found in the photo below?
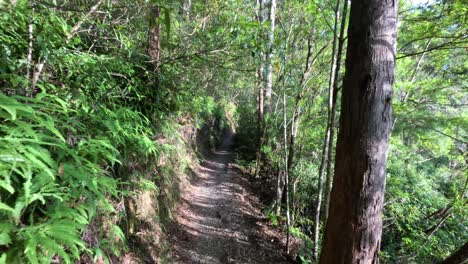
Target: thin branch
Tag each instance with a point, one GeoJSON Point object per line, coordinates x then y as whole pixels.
{"type": "Point", "coordinates": [441, 46]}
{"type": "Point", "coordinates": [78, 25]}
{"type": "Point", "coordinates": [40, 65]}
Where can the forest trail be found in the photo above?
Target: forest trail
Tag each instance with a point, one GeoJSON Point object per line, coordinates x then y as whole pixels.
{"type": "Point", "coordinates": [219, 219]}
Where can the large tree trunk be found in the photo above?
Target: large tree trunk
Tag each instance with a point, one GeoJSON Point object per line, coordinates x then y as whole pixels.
{"type": "Point", "coordinates": [353, 230]}
{"type": "Point", "coordinates": [459, 257]}
{"type": "Point", "coordinates": [331, 124]}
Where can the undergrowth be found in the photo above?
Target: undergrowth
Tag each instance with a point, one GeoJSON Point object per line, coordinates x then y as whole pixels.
{"type": "Point", "coordinates": [80, 146]}
{"type": "Point", "coordinates": [63, 172]}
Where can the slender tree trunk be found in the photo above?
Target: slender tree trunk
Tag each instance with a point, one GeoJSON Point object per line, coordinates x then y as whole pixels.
{"type": "Point", "coordinates": [260, 72]}
{"type": "Point", "coordinates": [154, 37]}
{"type": "Point", "coordinates": [331, 125]}
{"type": "Point", "coordinates": [260, 100]}
{"type": "Point", "coordinates": [318, 203]}
{"type": "Point", "coordinates": [261, 90]}
{"type": "Point", "coordinates": [327, 138]}
{"type": "Point", "coordinates": [293, 134]}
{"type": "Point", "coordinates": [187, 8]}
{"type": "Point", "coordinates": [30, 48]}
{"type": "Point", "coordinates": [279, 190]}
{"type": "Point", "coordinates": [269, 65]}
{"type": "Point", "coordinates": [353, 230]}
{"type": "Point", "coordinates": [286, 174]}
{"type": "Point", "coordinates": [297, 110]}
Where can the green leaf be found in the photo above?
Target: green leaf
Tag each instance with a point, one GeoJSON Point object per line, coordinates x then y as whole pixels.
{"type": "Point", "coordinates": [6, 207]}
{"type": "Point", "coordinates": [3, 258]}
{"type": "Point", "coordinates": [6, 229]}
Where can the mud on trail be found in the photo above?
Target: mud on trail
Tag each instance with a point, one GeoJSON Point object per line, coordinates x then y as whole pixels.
{"type": "Point", "coordinates": [220, 220]}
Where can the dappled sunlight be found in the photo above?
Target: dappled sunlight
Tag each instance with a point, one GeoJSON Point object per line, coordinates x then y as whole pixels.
{"type": "Point", "coordinates": [216, 223]}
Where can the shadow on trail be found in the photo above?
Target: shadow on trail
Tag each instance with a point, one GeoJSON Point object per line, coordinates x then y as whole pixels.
{"type": "Point", "coordinates": [217, 220]}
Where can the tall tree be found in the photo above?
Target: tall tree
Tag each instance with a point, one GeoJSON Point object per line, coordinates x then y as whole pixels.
{"type": "Point", "coordinates": [332, 111]}
{"type": "Point", "coordinates": [353, 230]}
{"type": "Point", "coordinates": [286, 174]}
{"type": "Point", "coordinates": [154, 37]}
{"type": "Point", "coordinates": [269, 65]}
{"type": "Point", "coordinates": [260, 74]}
{"type": "Point", "coordinates": [327, 138]}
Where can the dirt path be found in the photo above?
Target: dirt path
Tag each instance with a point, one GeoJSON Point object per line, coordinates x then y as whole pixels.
{"type": "Point", "coordinates": [219, 220]}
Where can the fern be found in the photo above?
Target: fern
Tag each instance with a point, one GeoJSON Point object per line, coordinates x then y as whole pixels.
{"type": "Point", "coordinates": [43, 176]}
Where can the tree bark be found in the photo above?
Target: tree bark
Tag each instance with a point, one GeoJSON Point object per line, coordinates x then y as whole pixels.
{"type": "Point", "coordinates": [353, 230]}
{"type": "Point", "coordinates": [30, 48]}
{"type": "Point", "coordinates": [154, 37]}
{"type": "Point", "coordinates": [261, 17]}
{"type": "Point", "coordinates": [187, 8]}
{"type": "Point", "coordinates": [459, 257]}
{"type": "Point", "coordinates": [286, 174]}
{"type": "Point", "coordinates": [279, 190]}
{"type": "Point", "coordinates": [269, 65]}
{"type": "Point", "coordinates": [318, 203]}
{"type": "Point", "coordinates": [299, 97]}
{"type": "Point", "coordinates": [331, 125]}
{"type": "Point", "coordinates": [260, 109]}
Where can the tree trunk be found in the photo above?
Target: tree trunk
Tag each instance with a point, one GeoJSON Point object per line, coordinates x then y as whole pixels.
{"type": "Point", "coordinates": [459, 257]}
{"type": "Point", "coordinates": [261, 17]}
{"type": "Point", "coordinates": [260, 72]}
{"type": "Point", "coordinates": [37, 69]}
{"type": "Point", "coordinates": [327, 139]}
{"type": "Point", "coordinates": [269, 65]}
{"type": "Point", "coordinates": [187, 8]}
{"type": "Point", "coordinates": [292, 136]}
{"type": "Point", "coordinates": [260, 100]}
{"type": "Point", "coordinates": [279, 190]}
{"type": "Point", "coordinates": [30, 49]}
{"type": "Point", "coordinates": [353, 230]}
{"type": "Point", "coordinates": [297, 110]}
{"type": "Point", "coordinates": [331, 125]}
{"type": "Point", "coordinates": [286, 174]}
{"type": "Point", "coordinates": [318, 203]}
{"type": "Point", "coordinates": [154, 37]}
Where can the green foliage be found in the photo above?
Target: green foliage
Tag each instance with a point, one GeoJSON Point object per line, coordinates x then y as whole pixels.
{"type": "Point", "coordinates": [91, 131]}
{"type": "Point", "coordinates": [51, 189]}
{"type": "Point", "coordinates": [427, 157]}
{"type": "Point", "coordinates": [83, 139]}
{"type": "Point", "coordinates": [305, 254]}
{"type": "Point", "coordinates": [272, 217]}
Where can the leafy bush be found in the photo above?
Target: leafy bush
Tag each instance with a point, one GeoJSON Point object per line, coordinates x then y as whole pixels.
{"type": "Point", "coordinates": [52, 184]}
